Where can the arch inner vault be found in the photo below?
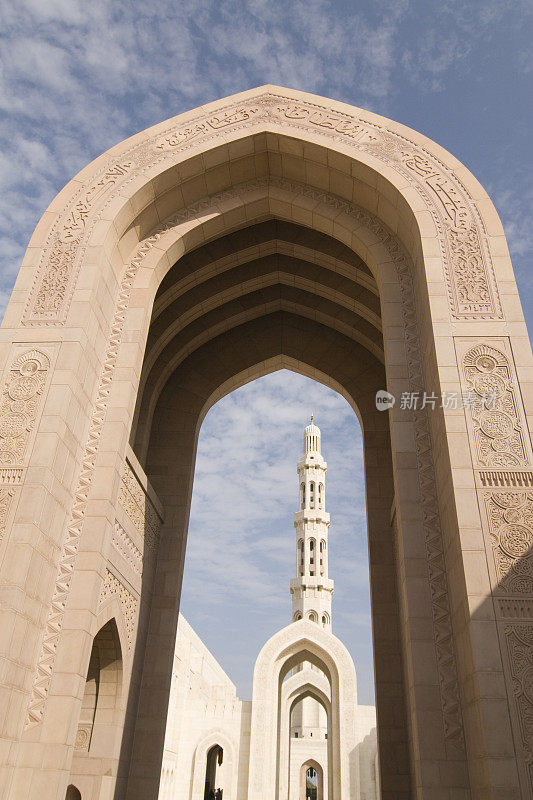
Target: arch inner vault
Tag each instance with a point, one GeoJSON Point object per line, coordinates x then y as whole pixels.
{"type": "Point", "coordinates": [270, 229]}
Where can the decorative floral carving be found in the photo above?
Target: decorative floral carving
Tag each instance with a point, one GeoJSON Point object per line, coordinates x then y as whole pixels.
{"type": "Point", "coordinates": [6, 494]}
{"type": "Point", "coordinates": [128, 602]}
{"type": "Point", "coordinates": [56, 272]}
{"type": "Point", "coordinates": [139, 508]}
{"type": "Point", "coordinates": [520, 649]}
{"type": "Point", "coordinates": [496, 425]}
{"type": "Point", "coordinates": [20, 403]}
{"type": "Point", "coordinates": [510, 516]}
{"type": "Point", "coordinates": [471, 286]}
{"type": "Point", "coordinates": [83, 737]}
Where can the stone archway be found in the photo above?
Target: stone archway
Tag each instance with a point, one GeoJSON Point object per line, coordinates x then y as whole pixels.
{"type": "Point", "coordinates": [386, 268]}
{"type": "Point", "coordinates": [319, 773]}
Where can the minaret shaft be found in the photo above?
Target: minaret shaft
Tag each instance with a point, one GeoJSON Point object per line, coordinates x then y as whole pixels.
{"type": "Point", "coordinates": [311, 590]}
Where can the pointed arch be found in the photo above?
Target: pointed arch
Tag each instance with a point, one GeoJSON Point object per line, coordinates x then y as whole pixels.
{"type": "Point", "coordinates": [301, 641]}
{"type": "Point", "coordinates": [408, 225]}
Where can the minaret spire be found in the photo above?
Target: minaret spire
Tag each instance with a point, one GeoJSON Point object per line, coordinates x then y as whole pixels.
{"type": "Point", "coordinates": [311, 590]}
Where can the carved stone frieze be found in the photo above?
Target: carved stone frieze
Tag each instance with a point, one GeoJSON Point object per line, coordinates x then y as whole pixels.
{"type": "Point", "coordinates": [128, 602]}
{"type": "Point", "coordinates": [6, 496]}
{"type": "Point", "coordinates": [139, 508]}
{"type": "Point", "coordinates": [127, 548]}
{"type": "Point", "coordinates": [493, 407]}
{"type": "Point", "coordinates": [54, 623]}
{"type": "Point", "coordinates": [510, 518]}
{"type": "Point", "coordinates": [19, 403]}
{"type": "Point", "coordinates": [469, 273]}
{"type": "Point", "coordinates": [519, 640]}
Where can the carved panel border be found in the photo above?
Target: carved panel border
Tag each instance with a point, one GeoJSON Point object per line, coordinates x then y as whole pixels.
{"type": "Point", "coordinates": [471, 284]}
{"type": "Point", "coordinates": [509, 516]}
{"type": "Point", "coordinates": [139, 508]}
{"type": "Point", "coordinates": [519, 642]}
{"type": "Point", "coordinates": [495, 417]}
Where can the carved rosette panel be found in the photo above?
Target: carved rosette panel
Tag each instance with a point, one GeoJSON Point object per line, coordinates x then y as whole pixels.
{"type": "Point", "coordinates": [510, 517]}
{"type": "Point", "coordinates": [83, 737]}
{"type": "Point", "coordinates": [20, 403]}
{"type": "Point", "coordinates": [470, 278]}
{"type": "Point", "coordinates": [520, 651]}
{"type": "Point", "coordinates": [139, 508]}
{"type": "Point", "coordinates": [129, 604]}
{"type": "Point", "coordinates": [494, 412]}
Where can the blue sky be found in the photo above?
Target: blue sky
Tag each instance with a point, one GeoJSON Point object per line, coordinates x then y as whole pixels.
{"type": "Point", "coordinates": [78, 77]}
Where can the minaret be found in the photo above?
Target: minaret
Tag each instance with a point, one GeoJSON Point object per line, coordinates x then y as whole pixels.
{"type": "Point", "coordinates": [311, 590]}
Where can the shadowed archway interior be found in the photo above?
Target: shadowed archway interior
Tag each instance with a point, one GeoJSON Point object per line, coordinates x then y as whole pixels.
{"type": "Point", "coordinates": [270, 295]}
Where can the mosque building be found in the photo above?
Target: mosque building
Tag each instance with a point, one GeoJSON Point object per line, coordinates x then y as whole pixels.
{"type": "Point", "coordinates": [303, 736]}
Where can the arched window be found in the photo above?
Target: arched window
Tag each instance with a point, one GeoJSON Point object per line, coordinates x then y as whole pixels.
{"type": "Point", "coordinates": [312, 554]}
{"type": "Point", "coordinates": [215, 757]}
{"type": "Point", "coordinates": [297, 616]}
{"type": "Point", "coordinates": [312, 494]}
{"type": "Point", "coordinates": [73, 793]}
{"type": "Point", "coordinates": [325, 620]}
{"type": "Point", "coordinates": [302, 495]}
{"type": "Point", "coordinates": [301, 550]}
{"type": "Point", "coordinates": [321, 495]}
{"type": "Point", "coordinates": [313, 617]}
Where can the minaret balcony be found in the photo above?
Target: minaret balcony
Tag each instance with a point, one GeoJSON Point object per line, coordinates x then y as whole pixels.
{"type": "Point", "coordinates": [311, 515]}
{"type": "Point", "coordinates": [311, 582]}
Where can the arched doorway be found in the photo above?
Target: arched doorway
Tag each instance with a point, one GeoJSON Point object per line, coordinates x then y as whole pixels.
{"type": "Point", "coordinates": [272, 229]}
{"type": "Point", "coordinates": [215, 757]}
{"type": "Point", "coordinates": [311, 781]}
{"type": "Point", "coordinates": [98, 733]}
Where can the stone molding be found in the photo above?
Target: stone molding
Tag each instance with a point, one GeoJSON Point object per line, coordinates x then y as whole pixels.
{"type": "Point", "coordinates": [54, 623]}
{"type": "Point", "coordinates": [471, 286]}
{"type": "Point", "coordinates": [129, 603]}
{"type": "Point", "coordinates": [139, 508]}
{"type": "Point", "coordinates": [519, 640]}
{"type": "Point", "coordinates": [126, 547]}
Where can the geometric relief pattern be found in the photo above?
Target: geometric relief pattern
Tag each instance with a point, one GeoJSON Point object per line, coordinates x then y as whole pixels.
{"type": "Point", "coordinates": [19, 403]}
{"type": "Point", "coordinates": [492, 399]}
{"type": "Point", "coordinates": [520, 650]}
{"type": "Point", "coordinates": [127, 548]}
{"type": "Point", "coordinates": [112, 588]}
{"type": "Point", "coordinates": [510, 516]}
{"type": "Point", "coordinates": [139, 508]}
